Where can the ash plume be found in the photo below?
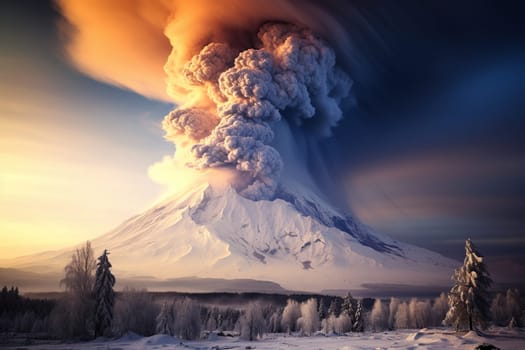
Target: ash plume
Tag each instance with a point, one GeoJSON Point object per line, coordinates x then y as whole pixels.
{"type": "Point", "coordinates": [239, 72]}
{"type": "Point", "coordinates": [290, 75]}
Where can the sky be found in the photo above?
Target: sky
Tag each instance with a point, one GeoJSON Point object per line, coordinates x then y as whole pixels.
{"type": "Point", "coordinates": [430, 150]}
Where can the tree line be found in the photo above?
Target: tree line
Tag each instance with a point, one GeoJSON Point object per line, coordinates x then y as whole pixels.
{"type": "Point", "coordinates": [90, 308]}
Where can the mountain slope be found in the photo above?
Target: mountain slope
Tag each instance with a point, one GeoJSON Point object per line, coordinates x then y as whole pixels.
{"type": "Point", "coordinates": [296, 240]}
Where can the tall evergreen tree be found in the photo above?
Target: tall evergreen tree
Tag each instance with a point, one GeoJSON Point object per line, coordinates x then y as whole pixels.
{"type": "Point", "coordinates": [358, 325]}
{"type": "Point", "coordinates": [348, 307]}
{"type": "Point", "coordinates": [104, 295]}
{"type": "Point", "coordinates": [468, 299]}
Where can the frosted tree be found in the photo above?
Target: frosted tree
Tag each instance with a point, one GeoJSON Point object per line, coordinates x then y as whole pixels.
{"type": "Point", "coordinates": [104, 295]}
{"type": "Point", "coordinates": [77, 315]}
{"type": "Point", "coordinates": [402, 318]}
{"type": "Point", "coordinates": [423, 314]}
{"type": "Point", "coordinates": [359, 324]}
{"type": "Point", "coordinates": [308, 323]}
{"type": "Point", "coordinates": [342, 324]}
{"type": "Point", "coordinates": [412, 310]}
{"type": "Point", "coordinates": [327, 324]}
{"type": "Point", "coordinates": [135, 311]}
{"type": "Point", "coordinates": [348, 306]}
{"type": "Point", "coordinates": [187, 318]}
{"type": "Point", "coordinates": [275, 321]}
{"type": "Point", "coordinates": [512, 299]}
{"type": "Point", "coordinates": [252, 322]}
{"type": "Point", "coordinates": [333, 309]}
{"type": "Point", "coordinates": [80, 271]}
{"type": "Point", "coordinates": [291, 313]}
{"type": "Point", "coordinates": [165, 319]}
{"type": "Point", "coordinates": [439, 309]}
{"type": "Point", "coordinates": [505, 307]}
{"type": "Point", "coordinates": [378, 316]}
{"type": "Point", "coordinates": [469, 299]}
{"type": "Point", "coordinates": [392, 310]}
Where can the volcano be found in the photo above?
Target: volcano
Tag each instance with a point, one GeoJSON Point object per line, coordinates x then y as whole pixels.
{"type": "Point", "coordinates": [296, 240]}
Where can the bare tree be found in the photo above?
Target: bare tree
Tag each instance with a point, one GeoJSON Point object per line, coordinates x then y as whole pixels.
{"type": "Point", "coordinates": [80, 272]}
{"type": "Point", "coordinates": [77, 314]}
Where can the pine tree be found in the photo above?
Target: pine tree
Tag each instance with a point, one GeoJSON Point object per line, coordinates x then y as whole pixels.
{"type": "Point", "coordinates": [468, 299]}
{"type": "Point", "coordinates": [358, 325]}
{"type": "Point", "coordinates": [348, 306]}
{"type": "Point", "coordinates": [104, 295]}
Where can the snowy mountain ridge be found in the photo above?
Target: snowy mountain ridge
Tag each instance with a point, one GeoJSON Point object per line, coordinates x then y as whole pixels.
{"type": "Point", "coordinates": [296, 240]}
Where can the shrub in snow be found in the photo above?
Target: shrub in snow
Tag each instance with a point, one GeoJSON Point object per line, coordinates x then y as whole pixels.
{"type": "Point", "coordinates": [469, 299]}
{"type": "Point", "coordinates": [135, 311]}
{"type": "Point", "coordinates": [252, 322]}
{"type": "Point", "coordinates": [308, 323]}
{"type": "Point", "coordinates": [104, 296]}
{"type": "Point", "coordinates": [291, 314]}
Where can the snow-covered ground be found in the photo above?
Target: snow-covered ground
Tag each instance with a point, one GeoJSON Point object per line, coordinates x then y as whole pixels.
{"type": "Point", "coordinates": [403, 339]}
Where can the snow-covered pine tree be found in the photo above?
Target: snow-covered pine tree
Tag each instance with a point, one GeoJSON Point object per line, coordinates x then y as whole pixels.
{"type": "Point", "coordinates": [104, 295]}
{"type": "Point", "coordinates": [348, 306]}
{"type": "Point", "coordinates": [468, 299]}
{"type": "Point", "coordinates": [358, 325]}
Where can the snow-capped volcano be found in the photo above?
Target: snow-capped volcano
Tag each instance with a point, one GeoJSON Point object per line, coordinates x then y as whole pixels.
{"type": "Point", "coordinates": [296, 240]}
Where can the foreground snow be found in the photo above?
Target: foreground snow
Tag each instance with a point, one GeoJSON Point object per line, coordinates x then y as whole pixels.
{"type": "Point", "coordinates": [404, 339]}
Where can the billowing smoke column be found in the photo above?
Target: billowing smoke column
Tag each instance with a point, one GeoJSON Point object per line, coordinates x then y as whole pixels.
{"type": "Point", "coordinates": [251, 79]}
{"type": "Point", "coordinates": [290, 75]}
